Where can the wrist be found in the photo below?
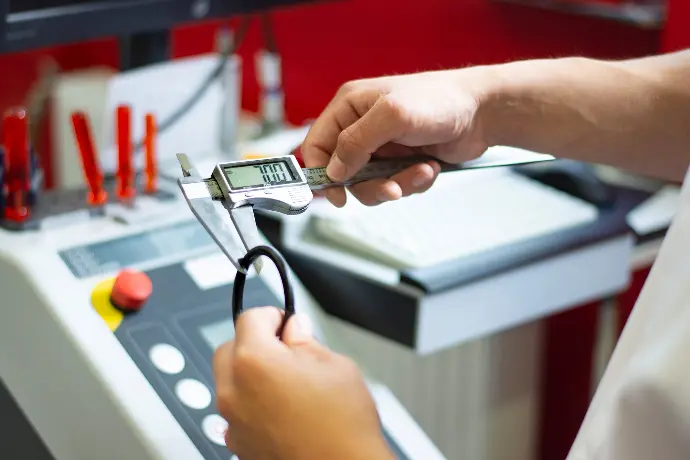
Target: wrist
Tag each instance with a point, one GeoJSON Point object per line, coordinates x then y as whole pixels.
{"type": "Point", "coordinates": [503, 103]}
{"type": "Point", "coordinates": [514, 96]}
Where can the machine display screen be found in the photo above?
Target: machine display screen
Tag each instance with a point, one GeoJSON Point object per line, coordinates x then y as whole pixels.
{"type": "Point", "coordinates": [261, 174]}
{"type": "Point", "coordinates": [99, 258]}
{"type": "Point", "coordinates": [216, 334]}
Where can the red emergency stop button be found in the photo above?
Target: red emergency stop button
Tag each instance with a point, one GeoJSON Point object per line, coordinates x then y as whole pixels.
{"type": "Point", "coordinates": [131, 290]}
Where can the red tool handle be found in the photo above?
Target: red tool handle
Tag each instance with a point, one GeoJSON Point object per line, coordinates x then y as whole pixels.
{"type": "Point", "coordinates": [17, 165]}
{"type": "Point", "coordinates": [94, 176]}
{"type": "Point", "coordinates": [125, 171]}
{"type": "Point", "coordinates": [150, 169]}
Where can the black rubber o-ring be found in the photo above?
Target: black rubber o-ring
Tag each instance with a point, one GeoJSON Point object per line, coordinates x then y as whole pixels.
{"type": "Point", "coordinates": [241, 278]}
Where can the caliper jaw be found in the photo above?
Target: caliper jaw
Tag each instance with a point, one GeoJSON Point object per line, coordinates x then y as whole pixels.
{"type": "Point", "coordinates": [245, 224]}
{"type": "Point", "coordinates": [230, 237]}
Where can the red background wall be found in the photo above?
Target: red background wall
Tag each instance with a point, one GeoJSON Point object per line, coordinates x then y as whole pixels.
{"type": "Point", "coordinates": [324, 45]}
{"type": "Point", "coordinates": [676, 34]}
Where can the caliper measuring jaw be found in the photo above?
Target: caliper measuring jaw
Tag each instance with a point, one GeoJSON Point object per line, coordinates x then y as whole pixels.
{"type": "Point", "coordinates": [234, 240]}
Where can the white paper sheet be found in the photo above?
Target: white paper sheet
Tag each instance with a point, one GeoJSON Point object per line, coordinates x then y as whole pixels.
{"type": "Point", "coordinates": [656, 212]}
{"type": "Point", "coordinates": [161, 89]}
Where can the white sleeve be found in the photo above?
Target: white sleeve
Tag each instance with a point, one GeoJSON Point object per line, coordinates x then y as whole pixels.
{"type": "Point", "coordinates": [641, 410]}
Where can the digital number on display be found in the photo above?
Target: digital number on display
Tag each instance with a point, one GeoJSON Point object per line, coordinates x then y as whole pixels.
{"type": "Point", "coordinates": [274, 173]}
{"type": "Point", "coordinates": [265, 174]}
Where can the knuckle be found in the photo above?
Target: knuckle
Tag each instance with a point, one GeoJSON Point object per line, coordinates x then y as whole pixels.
{"type": "Point", "coordinates": [219, 358]}
{"type": "Point", "coordinates": [348, 367]}
{"type": "Point", "coordinates": [348, 141]}
{"type": "Point", "coordinates": [348, 87]}
{"type": "Point", "coordinates": [225, 402]}
{"type": "Point", "coordinates": [246, 363]}
{"type": "Point", "coordinates": [393, 106]}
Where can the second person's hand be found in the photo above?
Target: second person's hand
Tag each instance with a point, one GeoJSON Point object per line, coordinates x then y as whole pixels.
{"type": "Point", "coordinates": [432, 113]}
{"type": "Point", "coordinates": [293, 399]}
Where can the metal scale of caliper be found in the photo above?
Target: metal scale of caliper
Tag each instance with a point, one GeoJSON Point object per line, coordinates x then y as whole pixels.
{"type": "Point", "coordinates": [280, 184]}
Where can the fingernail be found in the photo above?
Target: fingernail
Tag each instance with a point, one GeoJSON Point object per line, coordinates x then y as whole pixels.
{"type": "Point", "coordinates": [336, 169]}
{"type": "Point", "coordinates": [382, 197]}
{"type": "Point", "coordinates": [334, 197]}
{"type": "Point", "coordinates": [419, 180]}
{"type": "Point", "coordinates": [304, 325]}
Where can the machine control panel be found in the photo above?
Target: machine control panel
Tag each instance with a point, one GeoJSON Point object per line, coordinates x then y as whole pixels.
{"type": "Point", "coordinates": [155, 278]}
{"type": "Point", "coordinates": [174, 240]}
{"type": "Point", "coordinates": [169, 323]}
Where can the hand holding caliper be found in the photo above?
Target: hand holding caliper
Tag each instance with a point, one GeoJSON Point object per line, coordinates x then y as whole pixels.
{"type": "Point", "coordinates": [280, 184]}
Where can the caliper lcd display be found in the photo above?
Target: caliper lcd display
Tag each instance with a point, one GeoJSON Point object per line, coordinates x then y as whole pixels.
{"type": "Point", "coordinates": [261, 174]}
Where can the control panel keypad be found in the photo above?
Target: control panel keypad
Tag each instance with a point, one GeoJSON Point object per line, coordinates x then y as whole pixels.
{"type": "Point", "coordinates": [214, 427]}
{"type": "Point", "coordinates": [172, 340]}
{"type": "Point", "coordinates": [167, 359]}
{"type": "Point", "coordinates": [189, 395]}
{"type": "Point", "coordinates": [193, 394]}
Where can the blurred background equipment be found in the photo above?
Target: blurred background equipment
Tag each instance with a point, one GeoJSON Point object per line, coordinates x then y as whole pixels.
{"type": "Point", "coordinates": [125, 340]}
{"type": "Point", "coordinates": [144, 39]}
{"type": "Point", "coordinates": [142, 27]}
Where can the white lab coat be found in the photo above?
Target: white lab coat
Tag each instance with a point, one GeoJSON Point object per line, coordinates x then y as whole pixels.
{"type": "Point", "coordinates": [641, 410]}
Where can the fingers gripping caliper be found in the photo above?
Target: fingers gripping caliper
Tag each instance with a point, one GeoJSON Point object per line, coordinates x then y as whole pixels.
{"type": "Point", "coordinates": [280, 184]}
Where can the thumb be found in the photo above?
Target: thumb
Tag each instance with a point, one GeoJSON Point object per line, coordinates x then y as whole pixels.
{"type": "Point", "coordinates": [298, 331]}
{"type": "Point", "coordinates": [383, 123]}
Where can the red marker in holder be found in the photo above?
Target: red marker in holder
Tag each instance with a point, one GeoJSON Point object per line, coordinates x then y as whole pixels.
{"type": "Point", "coordinates": [150, 168]}
{"type": "Point", "coordinates": [96, 196]}
{"type": "Point", "coordinates": [17, 167]}
{"type": "Point", "coordinates": [126, 190]}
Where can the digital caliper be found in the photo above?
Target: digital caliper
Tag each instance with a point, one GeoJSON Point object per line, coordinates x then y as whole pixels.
{"type": "Point", "coordinates": [280, 184]}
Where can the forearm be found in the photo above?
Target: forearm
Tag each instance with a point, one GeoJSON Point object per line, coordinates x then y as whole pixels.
{"type": "Point", "coordinates": [630, 114]}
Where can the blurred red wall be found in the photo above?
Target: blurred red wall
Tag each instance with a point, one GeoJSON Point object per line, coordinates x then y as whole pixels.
{"type": "Point", "coordinates": [677, 33]}
{"type": "Point", "coordinates": [326, 44]}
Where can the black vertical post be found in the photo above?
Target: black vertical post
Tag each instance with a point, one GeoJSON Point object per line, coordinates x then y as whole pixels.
{"type": "Point", "coordinates": [142, 49]}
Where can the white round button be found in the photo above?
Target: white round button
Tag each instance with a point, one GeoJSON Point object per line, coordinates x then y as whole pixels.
{"type": "Point", "coordinates": [214, 427]}
{"type": "Point", "coordinates": [167, 358]}
{"type": "Point", "coordinates": [193, 393]}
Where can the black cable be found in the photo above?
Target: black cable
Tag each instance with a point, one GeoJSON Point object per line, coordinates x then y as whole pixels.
{"type": "Point", "coordinates": [240, 278]}
{"type": "Point", "coordinates": [205, 85]}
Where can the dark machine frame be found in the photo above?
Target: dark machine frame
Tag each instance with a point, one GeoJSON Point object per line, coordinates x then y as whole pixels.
{"type": "Point", "coordinates": [131, 19]}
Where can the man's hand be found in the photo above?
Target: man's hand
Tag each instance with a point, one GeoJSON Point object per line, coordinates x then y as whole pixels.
{"type": "Point", "coordinates": [629, 114]}
{"type": "Point", "coordinates": [293, 399]}
{"type": "Point", "coordinates": [432, 113]}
